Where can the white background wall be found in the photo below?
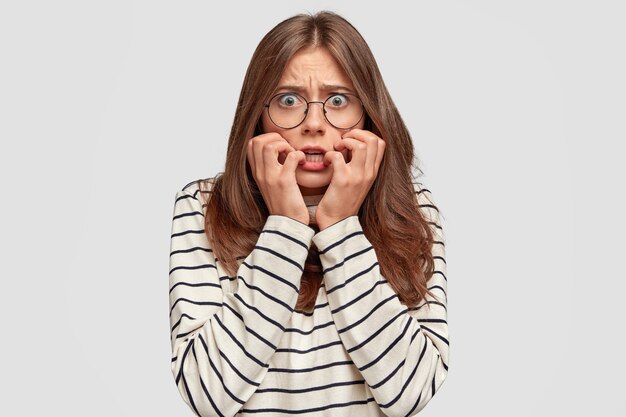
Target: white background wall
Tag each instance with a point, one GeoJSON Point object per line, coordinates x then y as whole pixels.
{"type": "Point", "coordinates": [516, 109]}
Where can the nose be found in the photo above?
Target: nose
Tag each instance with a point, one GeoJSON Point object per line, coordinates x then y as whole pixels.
{"type": "Point", "coordinates": [315, 120]}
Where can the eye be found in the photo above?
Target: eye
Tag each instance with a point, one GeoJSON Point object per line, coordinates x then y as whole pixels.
{"type": "Point", "coordinates": [289, 100]}
{"type": "Point", "coordinates": [337, 100]}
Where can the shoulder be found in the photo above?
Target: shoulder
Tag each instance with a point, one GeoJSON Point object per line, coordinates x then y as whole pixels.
{"type": "Point", "coordinates": [200, 188]}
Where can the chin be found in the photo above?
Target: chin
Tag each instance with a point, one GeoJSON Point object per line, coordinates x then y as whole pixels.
{"type": "Point", "coordinates": [312, 180]}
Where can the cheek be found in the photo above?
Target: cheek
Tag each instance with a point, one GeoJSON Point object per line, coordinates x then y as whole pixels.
{"type": "Point", "coordinates": [266, 124]}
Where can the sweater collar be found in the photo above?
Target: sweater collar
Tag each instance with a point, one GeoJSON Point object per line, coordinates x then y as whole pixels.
{"type": "Point", "coordinates": [312, 199]}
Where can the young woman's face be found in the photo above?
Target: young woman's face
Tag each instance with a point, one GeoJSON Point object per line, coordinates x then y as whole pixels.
{"type": "Point", "coordinates": [311, 69]}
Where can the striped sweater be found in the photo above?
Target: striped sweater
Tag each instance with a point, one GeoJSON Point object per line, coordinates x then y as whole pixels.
{"type": "Point", "coordinates": [239, 347]}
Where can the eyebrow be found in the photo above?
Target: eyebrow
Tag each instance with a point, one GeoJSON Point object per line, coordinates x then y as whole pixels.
{"type": "Point", "coordinates": [324, 87]}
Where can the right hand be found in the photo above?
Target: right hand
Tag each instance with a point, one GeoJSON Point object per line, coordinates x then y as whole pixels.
{"type": "Point", "coordinates": [276, 181]}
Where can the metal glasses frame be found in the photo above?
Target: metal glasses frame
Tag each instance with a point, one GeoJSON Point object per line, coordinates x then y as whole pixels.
{"type": "Point", "coordinates": [306, 111]}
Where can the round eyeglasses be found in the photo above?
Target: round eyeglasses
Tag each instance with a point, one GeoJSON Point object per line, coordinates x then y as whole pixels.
{"type": "Point", "coordinates": [341, 110]}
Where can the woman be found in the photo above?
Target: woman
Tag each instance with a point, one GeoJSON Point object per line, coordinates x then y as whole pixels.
{"type": "Point", "coordinates": [310, 284]}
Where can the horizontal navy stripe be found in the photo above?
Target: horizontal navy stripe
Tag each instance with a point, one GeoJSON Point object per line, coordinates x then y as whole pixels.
{"type": "Point", "coordinates": [201, 303]}
{"type": "Point", "coordinates": [316, 327]}
{"type": "Point", "coordinates": [354, 255]}
{"type": "Point", "coordinates": [273, 275]}
{"type": "Point", "coordinates": [352, 278]}
{"type": "Point", "coordinates": [340, 241]}
{"type": "Point", "coordinates": [353, 342]}
{"type": "Point", "coordinates": [179, 320]}
{"type": "Point", "coordinates": [191, 284]}
{"type": "Point", "coordinates": [313, 349]}
{"type": "Point", "coordinates": [260, 313]}
{"type": "Point", "coordinates": [366, 316]}
{"type": "Point", "coordinates": [266, 294]}
{"type": "Point", "coordinates": [391, 345]}
{"type": "Point", "coordinates": [281, 256]}
{"type": "Point", "coordinates": [187, 232]}
{"type": "Point", "coordinates": [378, 331]}
{"type": "Point", "coordinates": [311, 369]}
{"type": "Point", "coordinates": [360, 296]}
{"type": "Point", "coordinates": [286, 236]}
{"type": "Point", "coordinates": [306, 410]}
{"type": "Point", "coordinates": [310, 389]}
{"type": "Point", "coordinates": [195, 248]}
{"type": "Point", "coordinates": [193, 213]}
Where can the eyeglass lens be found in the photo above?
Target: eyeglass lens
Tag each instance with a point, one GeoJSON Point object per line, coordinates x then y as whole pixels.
{"type": "Point", "coordinates": [342, 110]}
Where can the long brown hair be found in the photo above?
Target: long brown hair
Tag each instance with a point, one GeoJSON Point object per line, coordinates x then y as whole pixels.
{"type": "Point", "coordinates": [236, 212]}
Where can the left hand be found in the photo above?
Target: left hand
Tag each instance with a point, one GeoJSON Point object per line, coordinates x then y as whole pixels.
{"type": "Point", "coordinates": [351, 181]}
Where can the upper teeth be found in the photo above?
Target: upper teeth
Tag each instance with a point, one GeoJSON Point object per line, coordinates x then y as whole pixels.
{"type": "Point", "coordinates": [311, 152]}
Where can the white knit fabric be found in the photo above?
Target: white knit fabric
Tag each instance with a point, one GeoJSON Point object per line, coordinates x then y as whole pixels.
{"type": "Point", "coordinates": [240, 348]}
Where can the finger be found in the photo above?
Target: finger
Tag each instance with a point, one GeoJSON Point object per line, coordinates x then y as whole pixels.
{"type": "Point", "coordinates": [371, 141]}
{"type": "Point", "coordinates": [358, 151]}
{"type": "Point", "coordinates": [371, 152]}
{"type": "Point", "coordinates": [379, 156]}
{"type": "Point", "coordinates": [356, 134]}
{"type": "Point", "coordinates": [250, 156]}
{"type": "Point", "coordinates": [340, 168]}
{"type": "Point", "coordinates": [292, 161]}
{"type": "Point", "coordinates": [257, 144]}
{"type": "Point", "coordinates": [282, 154]}
{"type": "Point", "coordinates": [271, 151]}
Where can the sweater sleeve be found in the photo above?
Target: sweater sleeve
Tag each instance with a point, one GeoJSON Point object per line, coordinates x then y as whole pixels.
{"type": "Point", "coordinates": [222, 341]}
{"type": "Point", "coordinates": [402, 353]}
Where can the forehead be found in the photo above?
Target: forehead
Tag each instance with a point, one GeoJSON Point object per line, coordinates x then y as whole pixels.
{"type": "Point", "coordinates": [314, 66]}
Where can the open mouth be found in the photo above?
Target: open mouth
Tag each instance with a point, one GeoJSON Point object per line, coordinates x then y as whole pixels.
{"type": "Point", "coordinates": [314, 156]}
